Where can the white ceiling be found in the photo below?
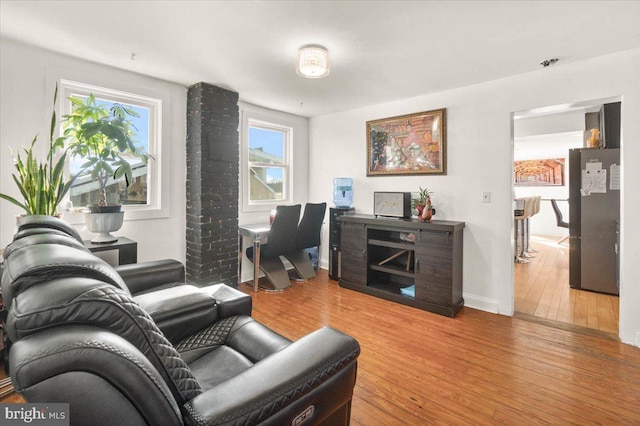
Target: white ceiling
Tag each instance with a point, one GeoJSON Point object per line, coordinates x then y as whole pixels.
{"type": "Point", "coordinates": [380, 50]}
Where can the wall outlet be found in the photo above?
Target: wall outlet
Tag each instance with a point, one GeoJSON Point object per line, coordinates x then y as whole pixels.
{"type": "Point", "coordinates": [486, 197]}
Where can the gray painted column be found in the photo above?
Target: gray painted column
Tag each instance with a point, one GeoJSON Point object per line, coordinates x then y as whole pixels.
{"type": "Point", "coordinates": [212, 185]}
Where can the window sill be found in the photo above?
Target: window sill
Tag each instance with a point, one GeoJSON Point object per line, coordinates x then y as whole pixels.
{"type": "Point", "coordinates": [76, 217]}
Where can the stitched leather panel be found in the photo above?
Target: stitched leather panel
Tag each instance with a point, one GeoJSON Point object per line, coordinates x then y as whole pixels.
{"type": "Point", "coordinates": [43, 353]}
{"type": "Point", "coordinates": [214, 335]}
{"type": "Point", "coordinates": [40, 263]}
{"type": "Point", "coordinates": [46, 222]}
{"type": "Point", "coordinates": [44, 238]}
{"type": "Point", "coordinates": [110, 308]}
{"type": "Point", "coordinates": [281, 398]}
{"type": "Point", "coordinates": [177, 369]}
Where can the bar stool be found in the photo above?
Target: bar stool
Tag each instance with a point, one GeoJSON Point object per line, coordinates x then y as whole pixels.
{"type": "Point", "coordinates": [519, 231]}
{"type": "Point", "coordinates": [536, 210]}
{"type": "Point", "coordinates": [518, 217]}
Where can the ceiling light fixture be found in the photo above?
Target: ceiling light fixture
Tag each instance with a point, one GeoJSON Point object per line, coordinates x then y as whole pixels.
{"type": "Point", "coordinates": [313, 62]}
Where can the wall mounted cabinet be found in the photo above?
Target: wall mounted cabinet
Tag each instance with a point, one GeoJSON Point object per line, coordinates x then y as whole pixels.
{"type": "Point", "coordinates": [404, 260]}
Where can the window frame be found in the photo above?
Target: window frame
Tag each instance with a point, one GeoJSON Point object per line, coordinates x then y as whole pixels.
{"type": "Point", "coordinates": [153, 208]}
{"type": "Point", "coordinates": [258, 121]}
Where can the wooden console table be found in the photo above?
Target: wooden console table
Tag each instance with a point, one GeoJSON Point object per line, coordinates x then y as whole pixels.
{"type": "Point", "coordinates": [404, 260]}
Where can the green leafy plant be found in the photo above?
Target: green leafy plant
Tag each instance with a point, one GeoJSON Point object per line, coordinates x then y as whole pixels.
{"type": "Point", "coordinates": [100, 135]}
{"type": "Point", "coordinates": [424, 197]}
{"type": "Point", "coordinates": [41, 184]}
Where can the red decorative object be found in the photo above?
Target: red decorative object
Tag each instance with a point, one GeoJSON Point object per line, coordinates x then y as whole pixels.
{"type": "Point", "coordinates": [426, 213]}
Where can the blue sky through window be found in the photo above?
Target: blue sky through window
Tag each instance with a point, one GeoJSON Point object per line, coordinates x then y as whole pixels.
{"type": "Point", "coordinates": [270, 142]}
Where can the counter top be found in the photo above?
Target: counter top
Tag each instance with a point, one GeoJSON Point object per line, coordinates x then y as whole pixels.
{"type": "Point", "coordinates": [411, 223]}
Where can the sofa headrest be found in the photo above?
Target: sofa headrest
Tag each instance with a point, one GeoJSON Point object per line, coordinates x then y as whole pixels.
{"type": "Point", "coordinates": [34, 264]}
{"type": "Point", "coordinates": [47, 222]}
{"type": "Point", "coordinates": [43, 238]}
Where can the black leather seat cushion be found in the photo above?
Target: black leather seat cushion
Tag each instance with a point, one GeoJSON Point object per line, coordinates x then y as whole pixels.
{"type": "Point", "coordinates": [228, 363]}
{"type": "Point", "coordinates": [232, 345]}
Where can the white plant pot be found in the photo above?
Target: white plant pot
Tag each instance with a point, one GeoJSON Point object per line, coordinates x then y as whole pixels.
{"type": "Point", "coordinates": [103, 224]}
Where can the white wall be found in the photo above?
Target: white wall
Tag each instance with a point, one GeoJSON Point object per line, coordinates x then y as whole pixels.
{"type": "Point", "coordinates": [480, 153]}
{"type": "Point", "coordinates": [27, 78]}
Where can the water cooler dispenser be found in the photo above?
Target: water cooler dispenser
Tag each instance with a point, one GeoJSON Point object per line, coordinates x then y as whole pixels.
{"type": "Point", "coordinates": [342, 198]}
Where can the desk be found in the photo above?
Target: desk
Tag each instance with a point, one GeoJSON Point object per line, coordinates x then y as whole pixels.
{"type": "Point", "coordinates": [127, 249]}
{"type": "Point", "coordinates": [258, 234]}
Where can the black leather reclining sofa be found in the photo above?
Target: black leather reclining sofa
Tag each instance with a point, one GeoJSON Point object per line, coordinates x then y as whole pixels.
{"type": "Point", "coordinates": [138, 346]}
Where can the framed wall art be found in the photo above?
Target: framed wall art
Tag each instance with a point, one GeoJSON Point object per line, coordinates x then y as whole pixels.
{"type": "Point", "coordinates": [413, 144]}
{"type": "Point", "coordinates": [546, 172]}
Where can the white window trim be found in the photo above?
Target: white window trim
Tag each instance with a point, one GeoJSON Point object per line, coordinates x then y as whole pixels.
{"type": "Point", "coordinates": [252, 118]}
{"type": "Point", "coordinates": [154, 207]}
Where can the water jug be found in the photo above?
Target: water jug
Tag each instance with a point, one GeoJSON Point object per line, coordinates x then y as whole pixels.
{"type": "Point", "coordinates": [343, 192]}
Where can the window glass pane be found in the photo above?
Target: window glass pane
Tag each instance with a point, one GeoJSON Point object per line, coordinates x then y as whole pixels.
{"type": "Point", "coordinates": [266, 183]}
{"type": "Point", "coordinates": [86, 190]}
{"type": "Point", "coordinates": [266, 146]}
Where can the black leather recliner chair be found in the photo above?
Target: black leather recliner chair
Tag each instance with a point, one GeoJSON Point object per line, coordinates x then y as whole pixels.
{"type": "Point", "coordinates": [80, 336]}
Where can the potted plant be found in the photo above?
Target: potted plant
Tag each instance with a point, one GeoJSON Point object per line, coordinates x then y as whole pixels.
{"type": "Point", "coordinates": [41, 183]}
{"type": "Point", "coordinates": [422, 204]}
{"type": "Point", "coordinates": [101, 135]}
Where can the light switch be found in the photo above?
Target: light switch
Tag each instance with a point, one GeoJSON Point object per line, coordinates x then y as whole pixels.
{"type": "Point", "coordinates": [486, 197]}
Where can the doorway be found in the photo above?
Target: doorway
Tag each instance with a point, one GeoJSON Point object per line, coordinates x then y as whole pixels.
{"type": "Point", "coordinates": [542, 139]}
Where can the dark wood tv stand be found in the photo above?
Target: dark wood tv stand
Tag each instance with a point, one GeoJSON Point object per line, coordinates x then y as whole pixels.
{"type": "Point", "coordinates": [404, 260]}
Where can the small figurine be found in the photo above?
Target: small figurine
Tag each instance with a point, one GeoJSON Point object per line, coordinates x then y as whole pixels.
{"type": "Point", "coordinates": [594, 140]}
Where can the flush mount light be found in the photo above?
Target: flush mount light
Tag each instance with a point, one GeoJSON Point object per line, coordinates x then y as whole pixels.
{"type": "Point", "coordinates": [313, 62]}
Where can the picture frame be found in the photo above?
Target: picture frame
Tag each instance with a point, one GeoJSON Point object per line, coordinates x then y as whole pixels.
{"type": "Point", "coordinates": [412, 144]}
{"type": "Point", "coordinates": [543, 172]}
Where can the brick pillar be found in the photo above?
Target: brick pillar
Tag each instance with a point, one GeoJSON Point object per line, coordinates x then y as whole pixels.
{"type": "Point", "coordinates": [212, 185]}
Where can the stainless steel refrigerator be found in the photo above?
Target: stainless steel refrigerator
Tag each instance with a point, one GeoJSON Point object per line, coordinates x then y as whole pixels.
{"type": "Point", "coordinates": [594, 216]}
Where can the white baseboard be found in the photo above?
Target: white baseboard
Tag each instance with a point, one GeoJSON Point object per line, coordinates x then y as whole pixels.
{"type": "Point", "coordinates": [481, 303]}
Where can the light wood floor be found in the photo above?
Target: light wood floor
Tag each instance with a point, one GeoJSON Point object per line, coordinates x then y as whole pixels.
{"type": "Point", "coordinates": [418, 368]}
{"type": "Point", "coordinates": [542, 291]}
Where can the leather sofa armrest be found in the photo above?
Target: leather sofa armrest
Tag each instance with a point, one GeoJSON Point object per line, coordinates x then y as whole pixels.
{"type": "Point", "coordinates": [179, 311]}
{"type": "Point", "coordinates": [145, 276]}
{"type": "Point", "coordinates": [313, 377]}
{"type": "Point", "coordinates": [231, 301]}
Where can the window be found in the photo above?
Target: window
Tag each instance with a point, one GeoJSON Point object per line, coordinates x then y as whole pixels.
{"type": "Point", "coordinates": [143, 193]}
{"type": "Point", "coordinates": [268, 163]}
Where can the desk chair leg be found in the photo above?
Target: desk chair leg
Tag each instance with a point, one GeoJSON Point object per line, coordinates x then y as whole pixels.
{"type": "Point", "coordinates": [302, 264]}
{"type": "Point", "coordinates": [276, 273]}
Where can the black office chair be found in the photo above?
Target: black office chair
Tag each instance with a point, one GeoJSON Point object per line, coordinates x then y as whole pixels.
{"type": "Point", "coordinates": [559, 220]}
{"type": "Point", "coordinates": [281, 241]}
{"type": "Point", "coordinates": [307, 236]}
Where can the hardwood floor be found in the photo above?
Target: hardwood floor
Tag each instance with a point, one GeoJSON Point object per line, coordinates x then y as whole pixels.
{"type": "Point", "coordinates": [542, 291]}
{"type": "Point", "coordinates": [419, 368]}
